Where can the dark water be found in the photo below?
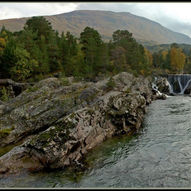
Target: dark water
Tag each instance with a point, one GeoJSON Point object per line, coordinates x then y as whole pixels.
{"type": "Point", "coordinates": [158, 156]}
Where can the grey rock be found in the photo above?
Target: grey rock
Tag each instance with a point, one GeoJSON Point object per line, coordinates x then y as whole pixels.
{"type": "Point", "coordinates": [67, 121]}
{"type": "Point", "coordinates": [163, 85]}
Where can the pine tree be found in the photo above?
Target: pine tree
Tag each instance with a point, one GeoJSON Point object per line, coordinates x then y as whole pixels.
{"type": "Point", "coordinates": [134, 52]}
{"type": "Point", "coordinates": [92, 45]}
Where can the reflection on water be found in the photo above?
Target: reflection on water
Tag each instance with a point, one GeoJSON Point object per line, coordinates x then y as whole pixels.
{"type": "Point", "coordinates": [158, 156]}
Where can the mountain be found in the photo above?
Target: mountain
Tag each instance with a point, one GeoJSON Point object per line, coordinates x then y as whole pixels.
{"type": "Point", "coordinates": [106, 22]}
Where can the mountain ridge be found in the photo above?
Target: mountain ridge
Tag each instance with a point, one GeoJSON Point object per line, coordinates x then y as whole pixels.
{"type": "Point", "coordinates": [106, 22]}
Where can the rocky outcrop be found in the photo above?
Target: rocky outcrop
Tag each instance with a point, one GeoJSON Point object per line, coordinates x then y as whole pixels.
{"type": "Point", "coordinates": [59, 124]}
{"type": "Point", "coordinates": [163, 85]}
{"type": "Point", "coordinates": [12, 88]}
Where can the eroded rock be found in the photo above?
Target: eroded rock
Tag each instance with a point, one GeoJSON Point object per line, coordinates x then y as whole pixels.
{"type": "Point", "coordinates": [68, 121]}
{"type": "Point", "coordinates": [163, 85]}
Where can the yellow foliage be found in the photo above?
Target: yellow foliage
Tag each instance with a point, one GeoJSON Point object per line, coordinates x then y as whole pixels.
{"type": "Point", "coordinates": [2, 44]}
{"type": "Point", "coordinates": [142, 72]}
{"type": "Point", "coordinates": [4, 35]}
{"type": "Point", "coordinates": [164, 54]}
{"type": "Point", "coordinates": [149, 57]}
{"type": "Point", "coordinates": [178, 59]}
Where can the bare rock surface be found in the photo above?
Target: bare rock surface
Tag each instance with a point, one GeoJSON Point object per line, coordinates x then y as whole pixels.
{"type": "Point", "coordinates": [60, 124]}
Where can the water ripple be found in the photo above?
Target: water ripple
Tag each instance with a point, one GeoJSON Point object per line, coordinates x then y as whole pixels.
{"type": "Point", "coordinates": [158, 156]}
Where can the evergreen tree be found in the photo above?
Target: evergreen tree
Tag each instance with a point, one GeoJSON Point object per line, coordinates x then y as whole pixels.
{"type": "Point", "coordinates": [41, 26]}
{"type": "Point", "coordinates": [92, 45]}
{"type": "Point", "coordinates": [8, 58]}
{"type": "Point", "coordinates": [134, 52]}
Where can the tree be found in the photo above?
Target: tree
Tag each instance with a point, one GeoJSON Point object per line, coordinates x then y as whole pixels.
{"type": "Point", "coordinates": [2, 45]}
{"type": "Point", "coordinates": [43, 56]}
{"type": "Point", "coordinates": [134, 52]}
{"type": "Point", "coordinates": [77, 66]}
{"type": "Point", "coordinates": [92, 45]}
{"type": "Point", "coordinates": [3, 39]}
{"type": "Point", "coordinates": [123, 38]}
{"type": "Point", "coordinates": [71, 43]}
{"type": "Point", "coordinates": [118, 59]}
{"type": "Point", "coordinates": [23, 66]}
{"type": "Point", "coordinates": [42, 44]}
{"type": "Point", "coordinates": [7, 59]}
{"type": "Point", "coordinates": [28, 39]}
{"type": "Point", "coordinates": [6, 34]}
{"type": "Point", "coordinates": [177, 59]}
{"type": "Point", "coordinates": [41, 26]}
{"type": "Point", "coordinates": [161, 60]}
{"type": "Point", "coordinates": [147, 66]}
{"type": "Point", "coordinates": [187, 66]}
{"type": "Point", "coordinates": [67, 50]}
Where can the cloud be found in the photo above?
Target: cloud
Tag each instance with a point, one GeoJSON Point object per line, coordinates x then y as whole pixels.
{"type": "Point", "coordinates": [178, 26]}
{"type": "Point", "coordinates": [5, 12]}
{"type": "Point", "coordinates": [18, 10]}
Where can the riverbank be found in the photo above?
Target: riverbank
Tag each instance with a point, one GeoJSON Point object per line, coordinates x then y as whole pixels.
{"type": "Point", "coordinates": [58, 123]}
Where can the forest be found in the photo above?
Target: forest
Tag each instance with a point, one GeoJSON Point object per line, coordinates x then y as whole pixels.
{"type": "Point", "coordinates": [38, 51]}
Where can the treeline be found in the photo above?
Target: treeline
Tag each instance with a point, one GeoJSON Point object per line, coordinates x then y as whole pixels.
{"type": "Point", "coordinates": [173, 60]}
{"type": "Point", "coordinates": [37, 51]}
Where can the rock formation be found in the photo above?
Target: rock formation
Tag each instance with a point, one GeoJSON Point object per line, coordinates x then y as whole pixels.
{"type": "Point", "coordinates": [58, 124]}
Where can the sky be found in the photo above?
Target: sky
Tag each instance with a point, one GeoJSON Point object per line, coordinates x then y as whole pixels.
{"type": "Point", "coordinates": [175, 16]}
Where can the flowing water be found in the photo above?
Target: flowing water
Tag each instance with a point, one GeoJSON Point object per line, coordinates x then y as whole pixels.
{"type": "Point", "coordinates": [158, 156]}
{"type": "Point", "coordinates": [179, 83]}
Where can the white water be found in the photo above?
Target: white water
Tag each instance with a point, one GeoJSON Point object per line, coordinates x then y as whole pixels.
{"type": "Point", "coordinates": [154, 87]}
{"type": "Point", "coordinates": [183, 82]}
{"type": "Point", "coordinates": [183, 90]}
{"type": "Point", "coordinates": [180, 85]}
{"type": "Point", "coordinates": [170, 88]}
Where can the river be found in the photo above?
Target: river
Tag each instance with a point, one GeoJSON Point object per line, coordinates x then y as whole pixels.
{"type": "Point", "coordinates": [158, 156]}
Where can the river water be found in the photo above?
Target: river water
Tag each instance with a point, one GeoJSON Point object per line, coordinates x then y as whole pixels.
{"type": "Point", "coordinates": [158, 156]}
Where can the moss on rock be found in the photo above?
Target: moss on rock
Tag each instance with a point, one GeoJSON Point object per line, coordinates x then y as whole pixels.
{"type": "Point", "coordinates": [5, 132]}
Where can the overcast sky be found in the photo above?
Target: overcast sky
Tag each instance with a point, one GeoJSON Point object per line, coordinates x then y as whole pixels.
{"type": "Point", "coordinates": [175, 16]}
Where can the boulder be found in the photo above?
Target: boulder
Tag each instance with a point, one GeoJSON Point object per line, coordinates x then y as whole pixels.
{"type": "Point", "coordinates": [163, 85]}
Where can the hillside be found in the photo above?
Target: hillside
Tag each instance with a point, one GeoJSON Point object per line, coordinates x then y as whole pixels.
{"type": "Point", "coordinates": [106, 22]}
{"type": "Point", "coordinates": [156, 48]}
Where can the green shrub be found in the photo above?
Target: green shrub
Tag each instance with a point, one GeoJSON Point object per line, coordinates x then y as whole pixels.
{"type": "Point", "coordinates": [4, 94]}
{"type": "Point", "coordinates": [110, 84]}
{"type": "Point", "coordinates": [32, 89]}
{"type": "Point", "coordinates": [65, 81]}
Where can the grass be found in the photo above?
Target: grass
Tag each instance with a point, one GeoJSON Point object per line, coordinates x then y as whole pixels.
{"type": "Point", "coordinates": [31, 89]}
{"type": "Point", "coordinates": [4, 94]}
{"type": "Point", "coordinates": [65, 81]}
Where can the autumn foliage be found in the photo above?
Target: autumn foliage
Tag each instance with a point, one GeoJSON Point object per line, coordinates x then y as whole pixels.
{"type": "Point", "coordinates": [38, 51]}
{"type": "Point", "coordinates": [177, 59]}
